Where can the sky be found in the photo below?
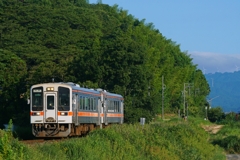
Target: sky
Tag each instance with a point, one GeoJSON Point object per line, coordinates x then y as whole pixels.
{"type": "Point", "coordinates": [208, 30]}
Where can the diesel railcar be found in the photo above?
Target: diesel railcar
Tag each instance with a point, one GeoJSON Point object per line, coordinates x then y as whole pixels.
{"type": "Point", "coordinates": [60, 109]}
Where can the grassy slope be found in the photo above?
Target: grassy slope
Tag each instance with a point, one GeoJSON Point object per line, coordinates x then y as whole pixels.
{"type": "Point", "coordinates": [173, 139]}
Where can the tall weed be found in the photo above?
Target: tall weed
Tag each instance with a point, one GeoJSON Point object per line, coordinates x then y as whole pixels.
{"type": "Point", "coordinates": [10, 148]}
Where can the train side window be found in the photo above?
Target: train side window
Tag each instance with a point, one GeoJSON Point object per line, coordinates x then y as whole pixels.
{"type": "Point", "coordinates": [86, 103]}
{"type": "Point", "coordinates": [83, 103]}
{"type": "Point", "coordinates": [94, 104]}
{"type": "Point", "coordinates": [80, 101]}
{"type": "Point", "coordinates": [116, 106]}
{"type": "Point", "coordinates": [89, 103]}
{"type": "Point", "coordinates": [112, 106]}
{"type": "Point", "coordinates": [108, 105]}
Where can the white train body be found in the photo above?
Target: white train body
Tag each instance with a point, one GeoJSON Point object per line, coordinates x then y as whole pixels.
{"type": "Point", "coordinates": [66, 109]}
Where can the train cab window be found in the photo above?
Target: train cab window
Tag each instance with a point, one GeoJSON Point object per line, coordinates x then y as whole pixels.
{"type": "Point", "coordinates": [64, 99]}
{"type": "Point", "coordinates": [37, 99]}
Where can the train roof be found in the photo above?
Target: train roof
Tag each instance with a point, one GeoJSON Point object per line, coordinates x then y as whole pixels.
{"type": "Point", "coordinates": [97, 91]}
{"type": "Point", "coordinates": [75, 86]}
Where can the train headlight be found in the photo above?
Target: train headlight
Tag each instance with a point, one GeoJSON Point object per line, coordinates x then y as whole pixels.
{"type": "Point", "coordinates": [50, 89]}
{"type": "Point", "coordinates": [36, 113]}
{"type": "Point", "coordinates": [64, 114]}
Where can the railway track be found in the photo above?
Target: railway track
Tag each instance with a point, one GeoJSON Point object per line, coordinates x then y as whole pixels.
{"type": "Point", "coordinates": [39, 141]}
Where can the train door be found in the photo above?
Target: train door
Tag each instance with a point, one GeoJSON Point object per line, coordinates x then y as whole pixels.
{"type": "Point", "coordinates": [106, 103]}
{"type": "Point", "coordinates": [75, 108]}
{"type": "Point", "coordinates": [51, 106]}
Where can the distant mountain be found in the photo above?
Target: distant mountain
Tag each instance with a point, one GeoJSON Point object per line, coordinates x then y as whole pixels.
{"type": "Point", "coordinates": [225, 90]}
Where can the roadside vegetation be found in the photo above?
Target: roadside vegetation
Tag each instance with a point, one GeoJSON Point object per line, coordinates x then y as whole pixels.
{"type": "Point", "coordinates": [228, 136]}
{"type": "Point", "coordinates": [172, 139]}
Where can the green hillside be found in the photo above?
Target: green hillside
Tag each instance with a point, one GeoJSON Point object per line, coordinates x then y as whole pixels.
{"type": "Point", "coordinates": [97, 46]}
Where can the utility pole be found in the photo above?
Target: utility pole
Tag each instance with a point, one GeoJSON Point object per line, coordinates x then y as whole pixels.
{"type": "Point", "coordinates": [163, 88]}
{"type": "Point", "coordinates": [184, 100]}
{"type": "Point", "coordinates": [188, 85]}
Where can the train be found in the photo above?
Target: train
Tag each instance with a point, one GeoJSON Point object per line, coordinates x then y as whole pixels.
{"type": "Point", "coordinates": [65, 109]}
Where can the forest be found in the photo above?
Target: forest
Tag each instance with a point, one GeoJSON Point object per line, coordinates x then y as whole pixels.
{"type": "Point", "coordinates": [96, 46]}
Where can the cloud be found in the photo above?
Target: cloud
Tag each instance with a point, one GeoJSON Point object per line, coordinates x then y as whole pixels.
{"type": "Point", "coordinates": [215, 62]}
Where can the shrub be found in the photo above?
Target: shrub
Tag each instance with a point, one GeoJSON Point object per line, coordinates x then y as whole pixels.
{"type": "Point", "coordinates": [11, 148]}
{"type": "Point", "coordinates": [215, 114]}
{"type": "Point", "coordinates": [230, 144]}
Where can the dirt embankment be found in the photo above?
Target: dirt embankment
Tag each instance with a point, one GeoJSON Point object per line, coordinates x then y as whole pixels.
{"type": "Point", "coordinates": [213, 129]}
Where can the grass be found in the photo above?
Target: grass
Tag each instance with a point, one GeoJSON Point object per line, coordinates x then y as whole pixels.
{"type": "Point", "coordinates": [174, 139]}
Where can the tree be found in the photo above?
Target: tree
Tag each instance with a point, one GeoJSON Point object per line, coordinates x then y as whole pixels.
{"type": "Point", "coordinates": [12, 75]}
{"type": "Point", "coordinates": [215, 114]}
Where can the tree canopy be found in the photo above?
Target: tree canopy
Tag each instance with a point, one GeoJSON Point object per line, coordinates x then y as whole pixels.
{"type": "Point", "coordinates": [95, 45]}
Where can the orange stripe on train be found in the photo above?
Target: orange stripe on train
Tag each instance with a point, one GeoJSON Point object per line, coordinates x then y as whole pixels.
{"type": "Point", "coordinates": [90, 114]}
{"type": "Point", "coordinates": [114, 115]}
{"type": "Point", "coordinates": [87, 114]}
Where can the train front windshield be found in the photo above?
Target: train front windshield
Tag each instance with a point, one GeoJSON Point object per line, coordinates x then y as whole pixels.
{"type": "Point", "coordinates": [64, 99]}
{"type": "Point", "coordinates": [37, 99]}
